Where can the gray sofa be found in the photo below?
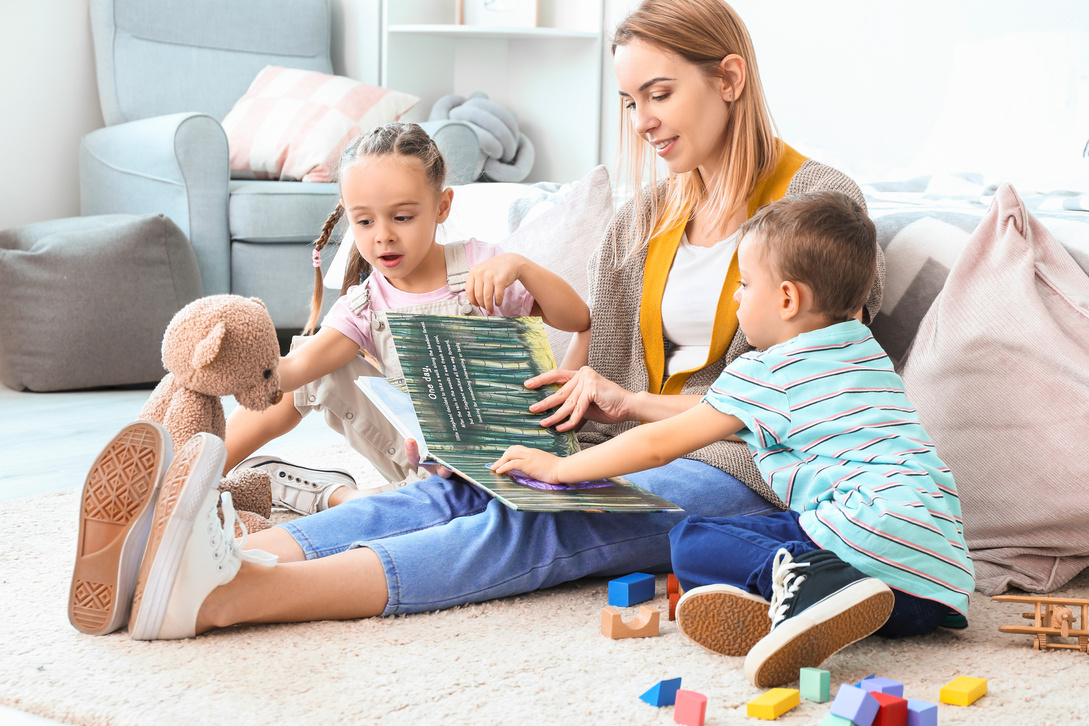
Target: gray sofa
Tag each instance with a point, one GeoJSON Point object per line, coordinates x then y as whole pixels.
{"type": "Point", "coordinates": [168, 71]}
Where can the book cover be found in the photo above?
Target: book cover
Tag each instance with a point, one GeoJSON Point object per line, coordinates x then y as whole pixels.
{"type": "Point", "coordinates": [465, 376]}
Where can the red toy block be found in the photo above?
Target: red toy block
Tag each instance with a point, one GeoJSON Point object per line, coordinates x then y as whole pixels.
{"type": "Point", "coordinates": [690, 709]}
{"type": "Point", "coordinates": [892, 710]}
{"type": "Point", "coordinates": [672, 586]}
{"type": "Point", "coordinates": [674, 598]}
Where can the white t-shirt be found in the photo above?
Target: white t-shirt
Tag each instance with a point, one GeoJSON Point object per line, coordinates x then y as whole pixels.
{"type": "Point", "coordinates": [690, 299]}
{"type": "Point", "coordinates": [384, 296]}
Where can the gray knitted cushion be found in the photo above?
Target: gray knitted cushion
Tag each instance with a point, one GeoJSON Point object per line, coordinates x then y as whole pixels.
{"type": "Point", "coordinates": [84, 301]}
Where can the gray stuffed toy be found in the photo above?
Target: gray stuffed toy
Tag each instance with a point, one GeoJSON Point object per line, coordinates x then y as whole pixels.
{"type": "Point", "coordinates": [509, 152]}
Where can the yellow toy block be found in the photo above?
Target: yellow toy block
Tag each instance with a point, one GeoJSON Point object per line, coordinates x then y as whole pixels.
{"type": "Point", "coordinates": [774, 703]}
{"type": "Point", "coordinates": [963, 690]}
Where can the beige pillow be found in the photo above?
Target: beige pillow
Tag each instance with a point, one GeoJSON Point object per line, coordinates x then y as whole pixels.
{"type": "Point", "coordinates": [999, 372]}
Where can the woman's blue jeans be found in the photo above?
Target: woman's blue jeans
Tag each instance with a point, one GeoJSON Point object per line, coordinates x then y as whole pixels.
{"type": "Point", "coordinates": [444, 542]}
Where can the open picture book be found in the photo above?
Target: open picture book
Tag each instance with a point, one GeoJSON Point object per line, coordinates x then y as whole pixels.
{"type": "Point", "coordinates": [463, 399]}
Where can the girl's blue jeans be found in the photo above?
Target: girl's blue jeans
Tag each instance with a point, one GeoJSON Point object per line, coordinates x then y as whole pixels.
{"type": "Point", "coordinates": [444, 542]}
{"type": "Point", "coordinates": [739, 551]}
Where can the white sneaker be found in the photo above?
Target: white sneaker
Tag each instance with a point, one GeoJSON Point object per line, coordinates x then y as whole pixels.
{"type": "Point", "coordinates": [188, 553]}
{"type": "Point", "coordinates": [115, 517]}
{"type": "Point", "coordinates": [299, 488]}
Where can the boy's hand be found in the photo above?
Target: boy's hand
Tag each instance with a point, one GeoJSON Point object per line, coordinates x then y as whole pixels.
{"type": "Point", "coordinates": [489, 280]}
{"type": "Point", "coordinates": [534, 463]}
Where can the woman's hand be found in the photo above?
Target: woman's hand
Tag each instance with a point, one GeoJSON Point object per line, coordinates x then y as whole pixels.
{"type": "Point", "coordinates": [488, 280]}
{"type": "Point", "coordinates": [584, 393]}
{"type": "Point", "coordinates": [539, 465]}
{"type": "Point", "coordinates": [412, 450]}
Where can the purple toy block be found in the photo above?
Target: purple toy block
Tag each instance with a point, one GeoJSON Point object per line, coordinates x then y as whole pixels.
{"type": "Point", "coordinates": [631, 589]}
{"type": "Point", "coordinates": [855, 705]}
{"type": "Point", "coordinates": [921, 713]}
{"type": "Point", "coordinates": [882, 685]}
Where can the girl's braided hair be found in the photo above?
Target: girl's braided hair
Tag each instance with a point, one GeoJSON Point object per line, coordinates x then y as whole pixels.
{"type": "Point", "coordinates": [400, 139]}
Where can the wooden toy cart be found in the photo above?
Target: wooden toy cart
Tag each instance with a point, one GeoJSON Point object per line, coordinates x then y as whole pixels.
{"type": "Point", "coordinates": [1053, 616]}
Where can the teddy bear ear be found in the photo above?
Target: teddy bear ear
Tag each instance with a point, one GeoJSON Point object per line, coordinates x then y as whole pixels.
{"type": "Point", "coordinates": [208, 349]}
{"type": "Point", "coordinates": [258, 301]}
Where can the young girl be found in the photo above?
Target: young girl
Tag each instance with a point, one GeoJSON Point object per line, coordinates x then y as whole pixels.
{"type": "Point", "coordinates": [391, 182]}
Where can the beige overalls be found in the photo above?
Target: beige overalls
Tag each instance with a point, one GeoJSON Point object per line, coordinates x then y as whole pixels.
{"type": "Point", "coordinates": [347, 410]}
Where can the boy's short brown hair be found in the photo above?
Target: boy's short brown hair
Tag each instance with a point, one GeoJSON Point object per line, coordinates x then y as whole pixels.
{"type": "Point", "coordinates": [823, 239]}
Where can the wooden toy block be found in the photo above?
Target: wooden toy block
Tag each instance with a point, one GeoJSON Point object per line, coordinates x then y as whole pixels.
{"type": "Point", "coordinates": [921, 713]}
{"type": "Point", "coordinates": [643, 625]}
{"type": "Point", "coordinates": [963, 690]}
{"type": "Point", "coordinates": [857, 706]}
{"type": "Point", "coordinates": [673, 599]}
{"type": "Point", "coordinates": [774, 703]}
{"type": "Point", "coordinates": [663, 693]}
{"type": "Point", "coordinates": [892, 710]}
{"type": "Point", "coordinates": [672, 586]}
{"type": "Point", "coordinates": [834, 720]}
{"type": "Point", "coordinates": [877, 684]}
{"type": "Point", "coordinates": [690, 709]}
{"type": "Point", "coordinates": [631, 589]}
{"type": "Point", "coordinates": [815, 684]}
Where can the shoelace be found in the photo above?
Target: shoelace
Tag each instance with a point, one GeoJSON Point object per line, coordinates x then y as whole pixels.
{"type": "Point", "coordinates": [226, 545]}
{"type": "Point", "coordinates": [784, 585]}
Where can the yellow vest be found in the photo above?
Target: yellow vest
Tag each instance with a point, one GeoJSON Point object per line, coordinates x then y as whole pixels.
{"type": "Point", "coordinates": [660, 253]}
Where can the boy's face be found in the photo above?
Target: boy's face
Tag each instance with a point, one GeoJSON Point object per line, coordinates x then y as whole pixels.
{"type": "Point", "coordinates": [759, 296]}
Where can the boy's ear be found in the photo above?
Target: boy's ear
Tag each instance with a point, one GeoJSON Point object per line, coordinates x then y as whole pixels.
{"type": "Point", "coordinates": [790, 299]}
{"type": "Point", "coordinates": [445, 201]}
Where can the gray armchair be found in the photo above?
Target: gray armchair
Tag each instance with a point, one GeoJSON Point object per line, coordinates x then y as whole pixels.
{"type": "Point", "coordinates": [168, 71]}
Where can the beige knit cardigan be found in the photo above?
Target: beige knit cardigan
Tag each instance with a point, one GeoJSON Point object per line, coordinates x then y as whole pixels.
{"type": "Point", "coordinates": [616, 346]}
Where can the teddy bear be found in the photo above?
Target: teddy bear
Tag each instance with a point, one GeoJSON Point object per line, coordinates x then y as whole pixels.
{"type": "Point", "coordinates": [219, 345]}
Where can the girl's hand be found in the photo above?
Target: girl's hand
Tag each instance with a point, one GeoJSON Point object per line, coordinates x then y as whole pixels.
{"type": "Point", "coordinates": [489, 280]}
{"type": "Point", "coordinates": [534, 463]}
{"type": "Point", "coordinates": [584, 393]}
{"type": "Point", "coordinates": [412, 450]}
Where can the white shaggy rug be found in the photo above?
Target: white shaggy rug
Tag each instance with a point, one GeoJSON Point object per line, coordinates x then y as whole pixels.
{"type": "Point", "coordinates": [539, 658]}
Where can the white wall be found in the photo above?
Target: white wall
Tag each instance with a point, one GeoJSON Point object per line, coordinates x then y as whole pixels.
{"type": "Point", "coordinates": [880, 89]}
{"type": "Point", "coordinates": [893, 90]}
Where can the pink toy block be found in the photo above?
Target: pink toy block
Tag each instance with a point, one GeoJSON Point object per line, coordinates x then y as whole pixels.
{"type": "Point", "coordinates": [690, 709]}
{"type": "Point", "coordinates": [892, 710]}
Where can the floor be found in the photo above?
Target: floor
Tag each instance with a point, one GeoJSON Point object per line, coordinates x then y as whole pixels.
{"type": "Point", "coordinates": [49, 440]}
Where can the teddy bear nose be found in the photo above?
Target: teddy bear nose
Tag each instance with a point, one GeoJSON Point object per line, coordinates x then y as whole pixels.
{"type": "Point", "coordinates": [276, 397]}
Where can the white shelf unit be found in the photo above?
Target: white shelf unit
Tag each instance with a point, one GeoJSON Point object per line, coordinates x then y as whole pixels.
{"type": "Point", "coordinates": [549, 76]}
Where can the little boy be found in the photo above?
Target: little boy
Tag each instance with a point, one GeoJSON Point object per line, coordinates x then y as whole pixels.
{"type": "Point", "coordinates": [831, 429]}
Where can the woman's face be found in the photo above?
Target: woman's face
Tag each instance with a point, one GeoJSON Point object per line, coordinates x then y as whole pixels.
{"type": "Point", "coordinates": [674, 106]}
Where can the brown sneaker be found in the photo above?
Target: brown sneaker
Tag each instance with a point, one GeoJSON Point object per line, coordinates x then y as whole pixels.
{"type": "Point", "coordinates": [723, 619]}
{"type": "Point", "coordinates": [115, 517]}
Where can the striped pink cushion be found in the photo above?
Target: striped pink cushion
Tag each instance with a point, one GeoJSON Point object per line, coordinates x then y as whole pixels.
{"type": "Point", "coordinates": [293, 125]}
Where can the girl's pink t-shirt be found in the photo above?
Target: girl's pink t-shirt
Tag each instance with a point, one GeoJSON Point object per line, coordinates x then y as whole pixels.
{"type": "Point", "coordinates": [384, 296]}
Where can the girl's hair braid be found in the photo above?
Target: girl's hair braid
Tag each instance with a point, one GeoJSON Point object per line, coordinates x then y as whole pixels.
{"type": "Point", "coordinates": [400, 139]}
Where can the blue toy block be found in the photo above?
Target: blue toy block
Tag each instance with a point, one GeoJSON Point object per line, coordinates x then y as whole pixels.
{"type": "Point", "coordinates": [631, 589]}
{"type": "Point", "coordinates": [815, 684]}
{"type": "Point", "coordinates": [921, 713]}
{"type": "Point", "coordinates": [663, 693]}
{"type": "Point", "coordinates": [882, 685]}
{"type": "Point", "coordinates": [872, 675]}
{"type": "Point", "coordinates": [855, 705]}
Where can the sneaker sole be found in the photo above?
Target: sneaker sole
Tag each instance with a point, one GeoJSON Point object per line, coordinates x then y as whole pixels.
{"type": "Point", "coordinates": [189, 481]}
{"type": "Point", "coordinates": [811, 637]}
{"type": "Point", "coordinates": [723, 619]}
{"type": "Point", "coordinates": [116, 506]}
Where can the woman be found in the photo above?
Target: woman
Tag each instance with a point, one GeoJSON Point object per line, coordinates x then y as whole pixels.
{"type": "Point", "coordinates": [664, 327]}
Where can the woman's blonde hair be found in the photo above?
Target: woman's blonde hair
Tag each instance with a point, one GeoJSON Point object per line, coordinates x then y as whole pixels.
{"type": "Point", "coordinates": [400, 139]}
{"type": "Point", "coordinates": [702, 32]}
